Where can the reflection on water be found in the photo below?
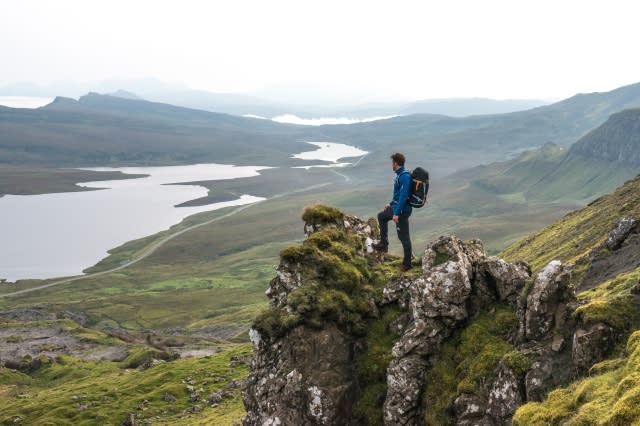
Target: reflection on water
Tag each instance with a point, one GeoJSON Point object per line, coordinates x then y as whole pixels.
{"type": "Point", "coordinates": [52, 235]}
{"type": "Point", "coordinates": [330, 151]}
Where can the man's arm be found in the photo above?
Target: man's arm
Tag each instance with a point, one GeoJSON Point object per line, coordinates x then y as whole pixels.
{"type": "Point", "coordinates": [405, 183]}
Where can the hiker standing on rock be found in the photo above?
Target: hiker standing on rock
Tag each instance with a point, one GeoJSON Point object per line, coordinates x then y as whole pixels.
{"type": "Point", "coordinates": [398, 210]}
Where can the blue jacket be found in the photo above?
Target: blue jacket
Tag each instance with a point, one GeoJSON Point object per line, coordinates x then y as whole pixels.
{"type": "Point", "coordinates": [401, 186]}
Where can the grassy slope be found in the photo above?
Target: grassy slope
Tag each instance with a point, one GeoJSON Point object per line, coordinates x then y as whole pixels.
{"type": "Point", "coordinates": [572, 238]}
{"type": "Point", "coordinates": [611, 394]}
{"type": "Point", "coordinates": [69, 391]}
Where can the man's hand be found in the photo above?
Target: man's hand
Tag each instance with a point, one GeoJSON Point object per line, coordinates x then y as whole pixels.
{"type": "Point", "coordinates": [395, 218]}
{"type": "Point", "coordinates": [386, 206]}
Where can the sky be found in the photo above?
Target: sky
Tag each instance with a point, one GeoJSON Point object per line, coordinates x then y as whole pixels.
{"type": "Point", "coordinates": [307, 50]}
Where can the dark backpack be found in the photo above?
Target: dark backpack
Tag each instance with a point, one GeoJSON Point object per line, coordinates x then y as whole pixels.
{"type": "Point", "coordinates": [419, 188]}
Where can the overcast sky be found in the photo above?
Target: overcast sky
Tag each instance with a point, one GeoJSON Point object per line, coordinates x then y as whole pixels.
{"type": "Point", "coordinates": [370, 49]}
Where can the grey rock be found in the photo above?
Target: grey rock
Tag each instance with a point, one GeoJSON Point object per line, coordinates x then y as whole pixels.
{"type": "Point", "coordinates": [503, 279]}
{"type": "Point", "coordinates": [405, 381]}
{"type": "Point", "coordinates": [621, 231]}
{"type": "Point", "coordinates": [469, 410]}
{"type": "Point", "coordinates": [537, 380]}
{"type": "Point", "coordinates": [305, 378]}
{"type": "Point", "coordinates": [550, 288]}
{"type": "Point", "coordinates": [505, 395]}
{"type": "Point", "coordinates": [591, 344]}
{"type": "Point", "coordinates": [557, 343]}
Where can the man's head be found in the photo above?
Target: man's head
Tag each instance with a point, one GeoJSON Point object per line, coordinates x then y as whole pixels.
{"type": "Point", "coordinates": [397, 161]}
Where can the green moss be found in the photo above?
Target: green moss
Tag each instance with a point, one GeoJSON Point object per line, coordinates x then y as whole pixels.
{"type": "Point", "coordinates": [517, 361]}
{"type": "Point", "coordinates": [143, 356]}
{"type": "Point", "coordinates": [468, 359]}
{"type": "Point", "coordinates": [372, 366]}
{"type": "Point", "coordinates": [440, 258]}
{"type": "Point", "coordinates": [320, 214]}
{"type": "Point", "coordinates": [340, 284]}
{"type": "Point", "coordinates": [612, 302]}
{"type": "Point", "coordinates": [611, 396]}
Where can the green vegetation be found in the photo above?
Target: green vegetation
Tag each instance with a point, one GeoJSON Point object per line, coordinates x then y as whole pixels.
{"type": "Point", "coordinates": [610, 396]}
{"type": "Point", "coordinates": [320, 214]}
{"type": "Point", "coordinates": [468, 359]}
{"type": "Point", "coordinates": [372, 366]}
{"type": "Point", "coordinates": [573, 238]}
{"type": "Point", "coordinates": [614, 302]}
{"type": "Point", "coordinates": [339, 280]}
{"type": "Point", "coordinates": [68, 391]}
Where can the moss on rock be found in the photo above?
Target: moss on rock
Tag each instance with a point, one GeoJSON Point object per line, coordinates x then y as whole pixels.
{"type": "Point", "coordinates": [340, 283]}
{"type": "Point", "coordinates": [469, 359]}
{"type": "Point", "coordinates": [611, 396]}
{"type": "Point", "coordinates": [613, 302]}
{"type": "Point", "coordinates": [320, 214]}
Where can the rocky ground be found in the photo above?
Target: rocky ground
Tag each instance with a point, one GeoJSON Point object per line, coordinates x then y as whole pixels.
{"type": "Point", "coordinates": [305, 372]}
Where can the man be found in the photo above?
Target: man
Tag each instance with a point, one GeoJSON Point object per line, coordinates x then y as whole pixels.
{"type": "Point", "coordinates": [398, 210]}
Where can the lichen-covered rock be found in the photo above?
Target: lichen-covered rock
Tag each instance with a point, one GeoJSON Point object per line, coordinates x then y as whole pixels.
{"type": "Point", "coordinates": [303, 369]}
{"type": "Point", "coordinates": [546, 301]}
{"type": "Point", "coordinates": [591, 343]}
{"type": "Point", "coordinates": [505, 396]}
{"type": "Point", "coordinates": [537, 380]}
{"type": "Point", "coordinates": [405, 380]}
{"type": "Point", "coordinates": [469, 410]}
{"type": "Point", "coordinates": [505, 280]}
{"type": "Point", "coordinates": [306, 378]}
{"type": "Point", "coordinates": [621, 231]}
{"type": "Point", "coordinates": [438, 302]}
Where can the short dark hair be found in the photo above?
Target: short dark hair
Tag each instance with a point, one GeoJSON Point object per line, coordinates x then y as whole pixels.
{"type": "Point", "coordinates": [398, 159]}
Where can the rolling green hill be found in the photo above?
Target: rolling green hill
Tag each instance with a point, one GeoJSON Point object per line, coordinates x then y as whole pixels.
{"type": "Point", "coordinates": [594, 165]}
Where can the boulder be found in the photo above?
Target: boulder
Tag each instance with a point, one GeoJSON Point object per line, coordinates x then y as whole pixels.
{"type": "Point", "coordinates": [621, 231]}
{"type": "Point", "coordinates": [547, 300]}
{"type": "Point", "coordinates": [591, 344]}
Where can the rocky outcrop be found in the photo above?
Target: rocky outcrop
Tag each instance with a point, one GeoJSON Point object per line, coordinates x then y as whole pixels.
{"type": "Point", "coordinates": [440, 301]}
{"type": "Point", "coordinates": [303, 371]}
{"type": "Point", "coordinates": [305, 374]}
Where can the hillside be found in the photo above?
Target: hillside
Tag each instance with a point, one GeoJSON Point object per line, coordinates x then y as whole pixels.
{"type": "Point", "coordinates": [468, 339]}
{"type": "Point", "coordinates": [128, 131]}
{"type": "Point", "coordinates": [594, 165]}
{"type": "Point", "coordinates": [108, 130]}
{"type": "Point", "coordinates": [463, 338]}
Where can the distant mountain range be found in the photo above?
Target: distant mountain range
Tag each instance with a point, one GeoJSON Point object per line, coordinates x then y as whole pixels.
{"type": "Point", "coordinates": [118, 130]}
{"type": "Point", "coordinates": [245, 104]}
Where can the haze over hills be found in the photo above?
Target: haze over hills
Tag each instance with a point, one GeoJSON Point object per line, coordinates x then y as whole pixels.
{"type": "Point", "coordinates": [447, 143]}
{"type": "Point", "coordinates": [270, 106]}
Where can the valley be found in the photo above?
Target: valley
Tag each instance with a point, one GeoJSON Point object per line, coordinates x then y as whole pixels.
{"type": "Point", "coordinates": [200, 280]}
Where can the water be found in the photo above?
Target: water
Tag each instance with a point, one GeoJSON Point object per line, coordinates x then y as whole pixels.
{"type": "Point", "coordinates": [330, 151]}
{"type": "Point", "coordinates": [53, 235]}
{"type": "Point", "coordinates": [321, 121]}
{"type": "Point", "coordinates": [318, 121]}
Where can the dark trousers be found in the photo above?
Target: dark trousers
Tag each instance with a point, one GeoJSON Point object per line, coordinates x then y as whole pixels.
{"type": "Point", "coordinates": [402, 227]}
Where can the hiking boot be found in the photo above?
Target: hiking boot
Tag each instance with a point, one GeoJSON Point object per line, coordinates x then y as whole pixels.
{"type": "Point", "coordinates": [405, 268]}
{"type": "Point", "coordinates": [381, 247]}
